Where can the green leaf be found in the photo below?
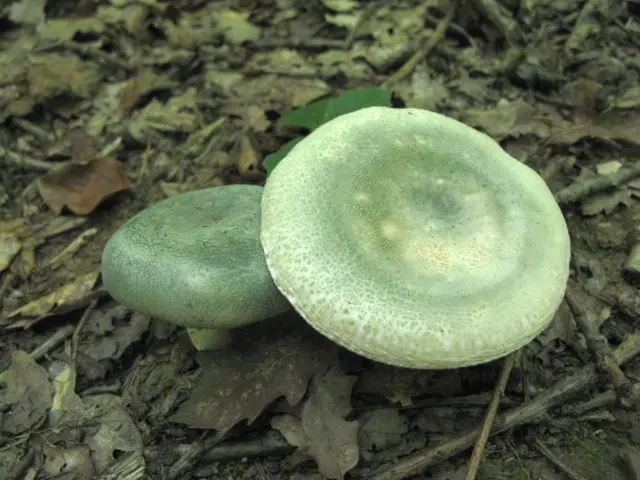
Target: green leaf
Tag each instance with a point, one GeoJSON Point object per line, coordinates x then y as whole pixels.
{"type": "Point", "coordinates": [271, 160]}
{"type": "Point", "coordinates": [313, 115]}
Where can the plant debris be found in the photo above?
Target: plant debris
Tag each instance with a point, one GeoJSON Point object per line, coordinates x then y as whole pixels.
{"type": "Point", "coordinates": [239, 385]}
{"type": "Point", "coordinates": [109, 107]}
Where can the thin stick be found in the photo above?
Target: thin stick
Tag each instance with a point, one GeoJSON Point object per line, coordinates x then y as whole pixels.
{"type": "Point", "coordinates": [533, 411]}
{"type": "Point", "coordinates": [628, 393]}
{"type": "Point", "coordinates": [362, 19]}
{"type": "Point", "coordinates": [583, 188]}
{"type": "Point", "coordinates": [425, 48]}
{"type": "Point", "coordinates": [75, 339]}
{"type": "Point", "coordinates": [548, 454]}
{"type": "Point", "coordinates": [478, 450]}
{"type": "Point", "coordinates": [52, 342]}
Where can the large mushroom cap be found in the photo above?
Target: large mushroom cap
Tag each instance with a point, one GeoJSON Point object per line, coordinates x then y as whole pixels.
{"type": "Point", "coordinates": [195, 260]}
{"type": "Point", "coordinates": [414, 240]}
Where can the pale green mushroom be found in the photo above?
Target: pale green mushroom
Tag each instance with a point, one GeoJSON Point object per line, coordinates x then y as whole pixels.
{"type": "Point", "coordinates": [414, 240]}
{"type": "Point", "coordinates": [195, 260]}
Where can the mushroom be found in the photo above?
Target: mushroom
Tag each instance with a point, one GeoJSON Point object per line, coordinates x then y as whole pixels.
{"type": "Point", "coordinates": [412, 239]}
{"type": "Point", "coordinates": [195, 260]}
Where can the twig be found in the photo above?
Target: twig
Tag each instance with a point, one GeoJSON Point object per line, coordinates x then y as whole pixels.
{"type": "Point", "coordinates": [191, 456]}
{"type": "Point", "coordinates": [52, 342]}
{"type": "Point", "coordinates": [599, 400]}
{"type": "Point", "coordinates": [7, 281]}
{"type": "Point", "coordinates": [533, 411]}
{"type": "Point", "coordinates": [437, 35]}
{"type": "Point", "coordinates": [553, 167]}
{"type": "Point", "coordinates": [41, 134]}
{"type": "Point", "coordinates": [298, 44]}
{"type": "Point", "coordinates": [580, 189]}
{"type": "Point", "coordinates": [114, 388]}
{"type": "Point", "coordinates": [628, 393]}
{"type": "Point", "coordinates": [21, 466]}
{"type": "Point", "coordinates": [588, 24]}
{"type": "Point", "coordinates": [128, 467]}
{"type": "Point", "coordinates": [75, 340]}
{"type": "Point", "coordinates": [455, 28]}
{"type": "Point", "coordinates": [623, 297]}
{"type": "Point", "coordinates": [548, 454]}
{"type": "Point", "coordinates": [515, 453]}
{"type": "Point", "coordinates": [95, 53]}
{"type": "Point", "coordinates": [502, 20]}
{"type": "Point", "coordinates": [24, 161]}
{"type": "Point", "coordinates": [478, 450]}
{"type": "Point", "coordinates": [364, 16]}
{"type": "Point", "coordinates": [271, 444]}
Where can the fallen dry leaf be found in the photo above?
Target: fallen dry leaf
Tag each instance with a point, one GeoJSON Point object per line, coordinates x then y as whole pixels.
{"type": "Point", "coordinates": [333, 441]}
{"type": "Point", "coordinates": [239, 384]}
{"type": "Point", "coordinates": [632, 462]}
{"type": "Point", "coordinates": [155, 381]}
{"type": "Point", "coordinates": [614, 125]}
{"type": "Point", "coordinates": [10, 246]}
{"type": "Point", "coordinates": [180, 114]}
{"type": "Point", "coordinates": [113, 343]}
{"type": "Point", "coordinates": [63, 30]}
{"type": "Point", "coordinates": [66, 462]}
{"type": "Point", "coordinates": [257, 119]}
{"type": "Point", "coordinates": [102, 420]}
{"type": "Point", "coordinates": [605, 202]}
{"type": "Point", "coordinates": [142, 85]}
{"type": "Point", "coordinates": [381, 429]}
{"type": "Point", "coordinates": [25, 396]}
{"type": "Point", "coordinates": [321, 432]}
{"type": "Point", "coordinates": [513, 119]}
{"type": "Point", "coordinates": [67, 294]}
{"type": "Point", "coordinates": [82, 187]}
{"type": "Point", "coordinates": [30, 12]}
{"type": "Point", "coordinates": [49, 75]}
{"type": "Point", "coordinates": [246, 157]}
{"type": "Point", "coordinates": [82, 147]}
{"type": "Point", "coordinates": [59, 258]}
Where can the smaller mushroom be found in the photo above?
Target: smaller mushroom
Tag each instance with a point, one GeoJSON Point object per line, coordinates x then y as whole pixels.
{"type": "Point", "coordinates": [414, 240]}
{"type": "Point", "coordinates": [195, 260]}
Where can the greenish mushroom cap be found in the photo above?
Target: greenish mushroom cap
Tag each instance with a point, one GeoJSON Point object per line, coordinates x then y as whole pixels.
{"type": "Point", "coordinates": [414, 240]}
{"type": "Point", "coordinates": [195, 260]}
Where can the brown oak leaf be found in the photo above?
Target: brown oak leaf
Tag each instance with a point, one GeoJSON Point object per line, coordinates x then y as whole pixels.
{"type": "Point", "coordinates": [82, 187]}
{"type": "Point", "coordinates": [239, 384]}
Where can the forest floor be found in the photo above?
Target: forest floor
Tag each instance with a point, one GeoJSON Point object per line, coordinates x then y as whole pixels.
{"type": "Point", "coordinates": [107, 107]}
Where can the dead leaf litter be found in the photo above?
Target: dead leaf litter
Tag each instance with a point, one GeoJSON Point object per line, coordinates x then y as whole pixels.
{"type": "Point", "coordinates": [109, 107]}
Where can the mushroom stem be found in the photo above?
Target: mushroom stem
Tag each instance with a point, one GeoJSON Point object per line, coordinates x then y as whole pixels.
{"type": "Point", "coordinates": [209, 338]}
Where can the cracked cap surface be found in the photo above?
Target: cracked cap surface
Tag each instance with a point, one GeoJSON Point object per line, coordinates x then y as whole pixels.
{"type": "Point", "coordinates": [414, 240]}
{"type": "Point", "coordinates": [195, 260]}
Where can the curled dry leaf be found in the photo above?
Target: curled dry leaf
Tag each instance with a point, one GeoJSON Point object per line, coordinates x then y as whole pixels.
{"type": "Point", "coordinates": [100, 420]}
{"type": "Point", "coordinates": [26, 395]}
{"type": "Point", "coordinates": [381, 429]}
{"type": "Point", "coordinates": [10, 246]}
{"type": "Point", "coordinates": [257, 119]}
{"type": "Point", "coordinates": [333, 441]}
{"type": "Point", "coordinates": [239, 384]}
{"type": "Point", "coordinates": [81, 188]}
{"type": "Point", "coordinates": [142, 85]}
{"type": "Point", "coordinates": [57, 300]}
{"type": "Point", "coordinates": [321, 432]}
{"type": "Point", "coordinates": [246, 156]}
{"type": "Point", "coordinates": [73, 462]}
